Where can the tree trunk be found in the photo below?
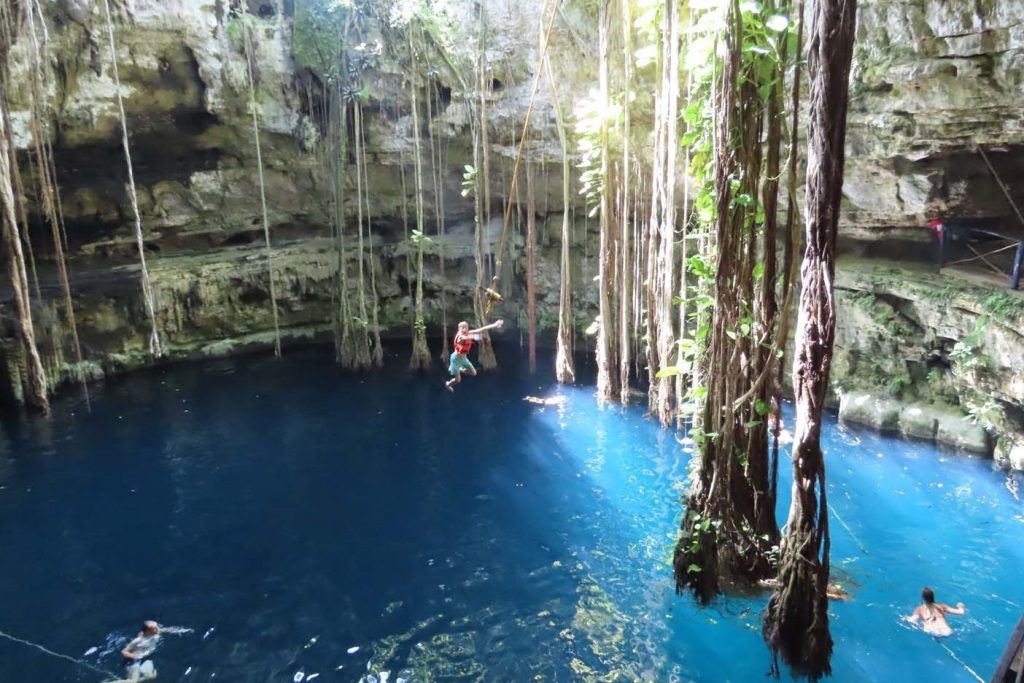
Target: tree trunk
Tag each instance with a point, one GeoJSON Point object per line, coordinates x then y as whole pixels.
{"type": "Point", "coordinates": [730, 526]}
{"type": "Point", "coordinates": [796, 619]}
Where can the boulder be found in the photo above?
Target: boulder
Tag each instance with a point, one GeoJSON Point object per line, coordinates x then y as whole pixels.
{"type": "Point", "coordinates": [918, 422]}
{"type": "Point", "coordinates": [873, 410]}
{"type": "Point", "coordinates": [955, 429]}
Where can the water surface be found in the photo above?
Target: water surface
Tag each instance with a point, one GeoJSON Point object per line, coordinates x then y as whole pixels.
{"type": "Point", "coordinates": [290, 514]}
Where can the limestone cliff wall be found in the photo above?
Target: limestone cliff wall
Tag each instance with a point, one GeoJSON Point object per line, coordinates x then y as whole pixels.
{"type": "Point", "coordinates": [931, 79]}
{"type": "Point", "coordinates": [184, 79]}
{"type": "Point", "coordinates": [933, 355]}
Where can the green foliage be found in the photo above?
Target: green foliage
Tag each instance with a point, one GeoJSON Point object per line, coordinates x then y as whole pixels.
{"type": "Point", "coordinates": [966, 353]}
{"type": "Point", "coordinates": [897, 384]}
{"type": "Point", "coordinates": [235, 33]}
{"type": "Point", "coordinates": [319, 36]}
{"type": "Point", "coordinates": [595, 130]}
{"type": "Point", "coordinates": [1004, 305]}
{"type": "Point", "coordinates": [547, 320]}
{"type": "Point", "coordinates": [469, 180]}
{"type": "Point", "coordinates": [984, 410]}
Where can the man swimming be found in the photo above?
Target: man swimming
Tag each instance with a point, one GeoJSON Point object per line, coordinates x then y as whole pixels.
{"type": "Point", "coordinates": [142, 646]}
{"type": "Point", "coordinates": [933, 614]}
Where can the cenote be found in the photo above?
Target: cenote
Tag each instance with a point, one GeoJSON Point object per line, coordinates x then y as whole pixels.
{"type": "Point", "coordinates": [290, 513]}
{"type": "Point", "coordinates": [702, 217]}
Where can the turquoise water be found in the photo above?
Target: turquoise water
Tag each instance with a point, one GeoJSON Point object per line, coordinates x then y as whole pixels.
{"type": "Point", "coordinates": [290, 514]}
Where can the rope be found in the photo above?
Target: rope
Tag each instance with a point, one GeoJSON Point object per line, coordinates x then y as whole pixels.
{"type": "Point", "coordinates": [263, 192]}
{"type": "Point", "coordinates": [1002, 185]}
{"type": "Point", "coordinates": [832, 509]}
{"type": "Point", "coordinates": [147, 290]}
{"type": "Point", "coordinates": [58, 655]}
{"type": "Point", "coordinates": [960, 661]}
{"type": "Point", "coordinates": [492, 293]}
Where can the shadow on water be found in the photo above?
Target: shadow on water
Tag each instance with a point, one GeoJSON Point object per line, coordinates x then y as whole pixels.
{"type": "Point", "coordinates": [304, 521]}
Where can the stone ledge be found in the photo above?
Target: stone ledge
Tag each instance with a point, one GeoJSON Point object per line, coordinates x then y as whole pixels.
{"type": "Point", "coordinates": [941, 424]}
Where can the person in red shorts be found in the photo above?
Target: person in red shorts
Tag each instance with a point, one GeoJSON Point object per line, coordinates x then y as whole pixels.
{"type": "Point", "coordinates": [459, 361]}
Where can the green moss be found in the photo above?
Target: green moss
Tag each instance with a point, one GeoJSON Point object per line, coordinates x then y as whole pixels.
{"type": "Point", "coordinates": [1004, 305]}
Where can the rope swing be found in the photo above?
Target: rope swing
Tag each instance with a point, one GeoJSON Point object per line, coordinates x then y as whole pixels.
{"type": "Point", "coordinates": [493, 296]}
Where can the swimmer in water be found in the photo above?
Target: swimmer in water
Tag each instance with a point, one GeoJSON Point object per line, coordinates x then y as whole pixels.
{"type": "Point", "coordinates": [932, 615]}
{"type": "Point", "coordinates": [142, 646]}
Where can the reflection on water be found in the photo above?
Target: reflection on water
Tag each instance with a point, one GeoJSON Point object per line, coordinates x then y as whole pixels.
{"type": "Point", "coordinates": [311, 525]}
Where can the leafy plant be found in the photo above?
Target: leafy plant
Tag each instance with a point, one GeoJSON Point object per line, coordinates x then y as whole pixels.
{"type": "Point", "coordinates": [469, 177]}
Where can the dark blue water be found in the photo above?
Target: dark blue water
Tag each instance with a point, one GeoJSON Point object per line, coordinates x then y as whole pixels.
{"type": "Point", "coordinates": [289, 514]}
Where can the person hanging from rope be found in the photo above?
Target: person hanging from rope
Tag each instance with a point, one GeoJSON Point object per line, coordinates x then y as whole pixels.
{"type": "Point", "coordinates": [459, 361]}
{"type": "Point", "coordinates": [933, 614]}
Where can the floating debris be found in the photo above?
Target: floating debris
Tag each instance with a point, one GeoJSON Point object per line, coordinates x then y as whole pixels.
{"type": "Point", "coordinates": [545, 401]}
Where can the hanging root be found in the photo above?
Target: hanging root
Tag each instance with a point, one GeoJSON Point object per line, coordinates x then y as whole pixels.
{"type": "Point", "coordinates": [795, 624]}
{"type": "Point", "coordinates": [715, 554]}
{"type": "Point", "coordinates": [695, 560]}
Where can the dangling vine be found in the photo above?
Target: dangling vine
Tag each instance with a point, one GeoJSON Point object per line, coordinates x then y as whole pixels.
{"type": "Point", "coordinates": [35, 390]}
{"type": "Point", "coordinates": [565, 370]}
{"type": "Point", "coordinates": [420, 359]}
{"type": "Point", "coordinates": [147, 288]}
{"type": "Point", "coordinates": [248, 48]}
{"type": "Point", "coordinates": [40, 109]}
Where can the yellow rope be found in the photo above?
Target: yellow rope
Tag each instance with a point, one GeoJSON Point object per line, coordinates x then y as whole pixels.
{"type": "Point", "coordinates": [492, 292]}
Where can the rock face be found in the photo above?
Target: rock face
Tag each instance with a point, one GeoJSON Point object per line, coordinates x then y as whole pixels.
{"type": "Point", "coordinates": [916, 354]}
{"type": "Point", "coordinates": [932, 356]}
{"type": "Point", "coordinates": [186, 92]}
{"type": "Point", "coordinates": [931, 79]}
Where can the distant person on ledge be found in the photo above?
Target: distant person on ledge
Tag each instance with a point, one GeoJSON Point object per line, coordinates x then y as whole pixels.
{"type": "Point", "coordinates": [933, 614]}
{"type": "Point", "coordinates": [459, 362]}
